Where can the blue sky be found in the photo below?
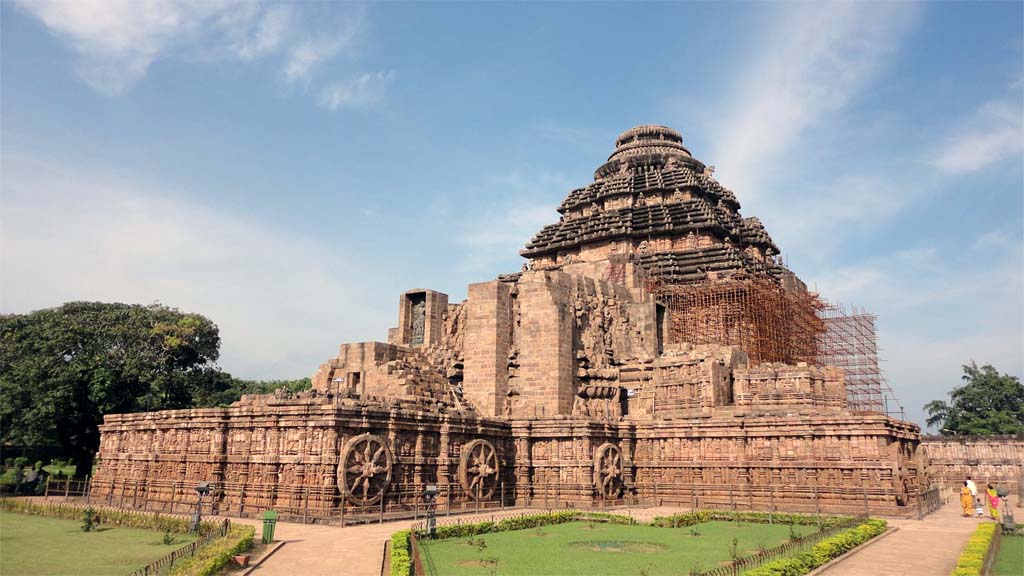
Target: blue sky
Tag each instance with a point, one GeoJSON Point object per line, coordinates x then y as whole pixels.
{"type": "Point", "coordinates": [289, 169]}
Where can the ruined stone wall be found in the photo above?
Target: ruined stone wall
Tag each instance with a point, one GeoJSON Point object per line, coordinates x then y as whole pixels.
{"type": "Point", "coordinates": [996, 459]}
{"type": "Point", "coordinates": [790, 462]}
{"type": "Point", "coordinates": [770, 386]}
{"type": "Point", "coordinates": [841, 463]}
{"type": "Point", "coordinates": [287, 453]}
{"type": "Point", "coordinates": [555, 460]}
{"type": "Point", "coordinates": [569, 332]}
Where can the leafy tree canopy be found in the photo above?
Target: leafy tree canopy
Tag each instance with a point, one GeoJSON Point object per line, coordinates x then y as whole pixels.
{"type": "Point", "coordinates": [989, 403]}
{"type": "Point", "coordinates": [62, 369]}
{"type": "Point", "coordinates": [225, 389]}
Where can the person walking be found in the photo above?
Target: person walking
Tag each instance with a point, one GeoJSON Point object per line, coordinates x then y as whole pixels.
{"type": "Point", "coordinates": [993, 502]}
{"type": "Point", "coordinates": [966, 500]}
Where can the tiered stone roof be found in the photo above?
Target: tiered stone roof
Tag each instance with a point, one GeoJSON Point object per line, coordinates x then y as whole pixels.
{"type": "Point", "coordinates": [652, 187]}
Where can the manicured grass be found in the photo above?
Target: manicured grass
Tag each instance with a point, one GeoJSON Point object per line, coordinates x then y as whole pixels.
{"type": "Point", "coordinates": [596, 549]}
{"type": "Point", "coordinates": [34, 545]}
{"type": "Point", "coordinates": [1010, 561]}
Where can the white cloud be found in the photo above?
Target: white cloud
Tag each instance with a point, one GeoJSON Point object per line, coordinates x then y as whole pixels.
{"type": "Point", "coordinates": [363, 91]}
{"type": "Point", "coordinates": [278, 297]}
{"type": "Point", "coordinates": [118, 40]}
{"type": "Point", "coordinates": [814, 60]}
{"type": "Point", "coordinates": [995, 132]}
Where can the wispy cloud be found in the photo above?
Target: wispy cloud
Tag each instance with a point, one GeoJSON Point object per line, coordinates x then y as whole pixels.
{"type": "Point", "coordinates": [360, 92]}
{"type": "Point", "coordinates": [270, 31]}
{"type": "Point", "coordinates": [938, 311]}
{"type": "Point", "coordinates": [492, 240]}
{"type": "Point", "coordinates": [814, 60]}
{"type": "Point", "coordinates": [71, 234]}
{"type": "Point", "coordinates": [117, 41]}
{"type": "Point", "coordinates": [993, 133]}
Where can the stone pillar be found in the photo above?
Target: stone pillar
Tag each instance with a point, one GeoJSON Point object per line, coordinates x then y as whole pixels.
{"type": "Point", "coordinates": [546, 378]}
{"type": "Point", "coordinates": [486, 348]}
{"type": "Point", "coordinates": [443, 475]}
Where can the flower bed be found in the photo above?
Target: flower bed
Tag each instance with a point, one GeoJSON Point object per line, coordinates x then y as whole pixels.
{"type": "Point", "coordinates": [972, 559]}
{"type": "Point", "coordinates": [213, 557]}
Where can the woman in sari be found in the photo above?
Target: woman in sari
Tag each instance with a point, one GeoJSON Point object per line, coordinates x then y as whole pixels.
{"type": "Point", "coordinates": [966, 500]}
{"type": "Point", "coordinates": [993, 502]}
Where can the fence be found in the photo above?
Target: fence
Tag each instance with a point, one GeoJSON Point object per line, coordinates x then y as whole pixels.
{"type": "Point", "coordinates": [324, 505]}
{"type": "Point", "coordinates": [156, 566]}
{"type": "Point", "coordinates": [293, 503]}
{"type": "Point", "coordinates": [755, 560]}
{"type": "Point", "coordinates": [66, 487]}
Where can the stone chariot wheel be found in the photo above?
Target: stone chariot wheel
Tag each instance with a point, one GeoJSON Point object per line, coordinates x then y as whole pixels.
{"type": "Point", "coordinates": [365, 469]}
{"type": "Point", "coordinates": [478, 469]}
{"type": "Point", "coordinates": [608, 470]}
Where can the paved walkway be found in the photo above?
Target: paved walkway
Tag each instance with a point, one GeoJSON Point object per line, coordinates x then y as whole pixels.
{"type": "Point", "coordinates": [919, 548]}
{"type": "Point", "coordinates": [928, 547]}
{"type": "Point", "coordinates": [313, 550]}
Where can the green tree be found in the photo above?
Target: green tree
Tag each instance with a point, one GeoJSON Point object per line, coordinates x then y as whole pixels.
{"type": "Point", "coordinates": [62, 369]}
{"type": "Point", "coordinates": [225, 389]}
{"type": "Point", "coordinates": [989, 403]}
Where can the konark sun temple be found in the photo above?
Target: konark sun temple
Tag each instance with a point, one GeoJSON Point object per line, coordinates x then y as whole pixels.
{"type": "Point", "coordinates": [653, 348]}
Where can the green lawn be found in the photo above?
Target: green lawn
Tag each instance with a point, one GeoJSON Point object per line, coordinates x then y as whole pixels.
{"type": "Point", "coordinates": [1010, 561]}
{"type": "Point", "coordinates": [595, 549]}
{"type": "Point", "coordinates": [34, 545]}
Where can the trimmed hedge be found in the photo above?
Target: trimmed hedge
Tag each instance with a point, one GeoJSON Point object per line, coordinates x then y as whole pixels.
{"type": "Point", "coordinates": [700, 516]}
{"type": "Point", "coordinates": [524, 522]}
{"type": "Point", "coordinates": [401, 560]}
{"type": "Point", "coordinates": [213, 557]}
{"type": "Point", "coordinates": [822, 552]}
{"type": "Point", "coordinates": [972, 559]}
{"type": "Point", "coordinates": [401, 563]}
{"type": "Point", "coordinates": [110, 516]}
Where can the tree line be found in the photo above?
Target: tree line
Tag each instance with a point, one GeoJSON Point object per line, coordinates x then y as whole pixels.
{"type": "Point", "coordinates": [62, 369]}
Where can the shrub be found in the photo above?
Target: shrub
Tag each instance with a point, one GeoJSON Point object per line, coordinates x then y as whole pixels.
{"type": "Point", "coordinates": [401, 563]}
{"type": "Point", "coordinates": [20, 462]}
{"type": "Point", "coordinates": [822, 552]}
{"type": "Point", "coordinates": [111, 516]}
{"type": "Point", "coordinates": [90, 520]}
{"type": "Point", "coordinates": [972, 559]}
{"type": "Point", "coordinates": [701, 516]}
{"type": "Point", "coordinates": [213, 557]}
{"type": "Point", "coordinates": [8, 462]}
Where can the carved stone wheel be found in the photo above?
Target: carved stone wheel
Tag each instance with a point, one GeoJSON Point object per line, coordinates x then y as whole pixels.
{"type": "Point", "coordinates": [365, 469]}
{"type": "Point", "coordinates": [478, 469]}
{"type": "Point", "coordinates": [608, 470]}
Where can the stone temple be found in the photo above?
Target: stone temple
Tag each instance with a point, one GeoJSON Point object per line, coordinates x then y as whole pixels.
{"type": "Point", "coordinates": [654, 347]}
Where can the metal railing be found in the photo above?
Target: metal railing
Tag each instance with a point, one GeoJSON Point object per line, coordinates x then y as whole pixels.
{"type": "Point", "coordinates": [323, 504]}
{"type": "Point", "coordinates": [754, 560]}
{"type": "Point", "coordinates": [188, 550]}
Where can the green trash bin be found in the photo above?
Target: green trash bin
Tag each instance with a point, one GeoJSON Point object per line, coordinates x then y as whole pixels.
{"type": "Point", "coordinates": [269, 521]}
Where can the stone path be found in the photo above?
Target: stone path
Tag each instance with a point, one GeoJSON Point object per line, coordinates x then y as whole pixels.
{"type": "Point", "coordinates": [919, 548]}
{"type": "Point", "coordinates": [313, 550]}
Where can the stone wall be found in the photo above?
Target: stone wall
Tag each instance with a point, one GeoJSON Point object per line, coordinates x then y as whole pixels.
{"type": "Point", "coordinates": [292, 453]}
{"type": "Point", "coordinates": [996, 459]}
{"type": "Point", "coordinates": [840, 463]}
